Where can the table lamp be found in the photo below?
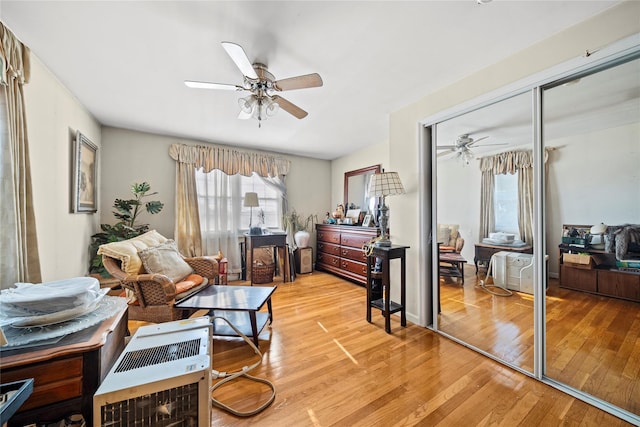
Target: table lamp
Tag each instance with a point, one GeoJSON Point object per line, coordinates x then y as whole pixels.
{"type": "Point", "coordinates": [251, 201]}
{"type": "Point", "coordinates": [382, 185]}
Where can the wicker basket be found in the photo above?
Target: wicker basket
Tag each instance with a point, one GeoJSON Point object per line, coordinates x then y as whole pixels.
{"type": "Point", "coordinates": [261, 273]}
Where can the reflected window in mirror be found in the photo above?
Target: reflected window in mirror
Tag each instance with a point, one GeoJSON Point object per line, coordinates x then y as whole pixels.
{"type": "Point", "coordinates": [356, 188]}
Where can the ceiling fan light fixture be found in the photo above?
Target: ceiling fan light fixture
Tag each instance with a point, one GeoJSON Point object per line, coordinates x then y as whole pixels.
{"type": "Point", "coordinates": [248, 104]}
{"type": "Point", "coordinates": [272, 108]}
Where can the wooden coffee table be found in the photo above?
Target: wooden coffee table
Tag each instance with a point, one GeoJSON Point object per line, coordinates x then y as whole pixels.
{"type": "Point", "coordinates": [456, 265]}
{"type": "Point", "coordinates": [238, 304]}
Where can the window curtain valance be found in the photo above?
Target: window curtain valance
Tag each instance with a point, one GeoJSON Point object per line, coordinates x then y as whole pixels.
{"type": "Point", "coordinates": [509, 162]}
{"type": "Point", "coordinates": [229, 161]}
{"type": "Point", "coordinates": [14, 58]}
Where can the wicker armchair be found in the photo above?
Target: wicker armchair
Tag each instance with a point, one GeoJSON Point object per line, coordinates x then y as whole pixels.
{"type": "Point", "coordinates": [156, 293]}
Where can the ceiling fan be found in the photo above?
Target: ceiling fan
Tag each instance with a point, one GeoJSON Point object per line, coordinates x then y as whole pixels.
{"type": "Point", "coordinates": [262, 85]}
{"type": "Point", "coordinates": [462, 148]}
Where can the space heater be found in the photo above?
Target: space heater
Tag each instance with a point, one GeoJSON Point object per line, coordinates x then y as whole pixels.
{"type": "Point", "coordinates": [162, 378]}
{"type": "Point", "coordinates": [513, 271]}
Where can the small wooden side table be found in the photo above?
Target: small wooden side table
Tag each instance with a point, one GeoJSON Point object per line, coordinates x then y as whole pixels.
{"type": "Point", "coordinates": [277, 240]}
{"type": "Point", "coordinates": [385, 304]}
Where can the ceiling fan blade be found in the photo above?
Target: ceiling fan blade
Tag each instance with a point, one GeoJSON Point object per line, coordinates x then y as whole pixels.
{"type": "Point", "coordinates": [491, 145]}
{"type": "Point", "coordinates": [299, 82]}
{"type": "Point", "coordinates": [446, 153]}
{"type": "Point", "coordinates": [289, 107]}
{"type": "Point", "coordinates": [207, 85]}
{"type": "Point", "coordinates": [447, 147]}
{"type": "Point", "coordinates": [237, 54]}
{"type": "Point", "coordinates": [476, 140]}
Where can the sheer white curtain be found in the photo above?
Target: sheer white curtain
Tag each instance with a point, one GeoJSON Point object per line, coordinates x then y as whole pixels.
{"type": "Point", "coordinates": [220, 206]}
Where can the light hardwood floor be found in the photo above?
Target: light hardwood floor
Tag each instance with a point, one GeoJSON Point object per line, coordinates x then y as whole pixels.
{"type": "Point", "coordinates": [593, 342]}
{"type": "Point", "coordinates": [332, 368]}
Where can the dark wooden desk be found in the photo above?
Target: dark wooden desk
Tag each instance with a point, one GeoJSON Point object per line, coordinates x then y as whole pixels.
{"type": "Point", "coordinates": [66, 374]}
{"type": "Point", "coordinates": [385, 304]}
{"type": "Point", "coordinates": [484, 252]}
{"type": "Point", "coordinates": [233, 303]}
{"type": "Point", "coordinates": [277, 240]}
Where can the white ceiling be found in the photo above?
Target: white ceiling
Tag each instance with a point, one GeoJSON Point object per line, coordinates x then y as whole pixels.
{"type": "Point", "coordinates": [126, 61]}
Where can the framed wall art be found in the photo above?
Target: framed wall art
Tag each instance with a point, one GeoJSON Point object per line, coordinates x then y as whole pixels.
{"type": "Point", "coordinates": [85, 176]}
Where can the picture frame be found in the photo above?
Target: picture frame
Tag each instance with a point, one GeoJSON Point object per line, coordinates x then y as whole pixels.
{"type": "Point", "coordinates": [366, 222]}
{"type": "Point", "coordinates": [85, 177]}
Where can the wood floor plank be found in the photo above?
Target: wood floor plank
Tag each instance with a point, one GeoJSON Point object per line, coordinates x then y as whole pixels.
{"type": "Point", "coordinates": [332, 368]}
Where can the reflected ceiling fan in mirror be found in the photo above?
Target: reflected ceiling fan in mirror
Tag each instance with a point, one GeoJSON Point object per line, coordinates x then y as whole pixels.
{"type": "Point", "coordinates": [262, 102]}
{"type": "Point", "coordinates": [462, 148]}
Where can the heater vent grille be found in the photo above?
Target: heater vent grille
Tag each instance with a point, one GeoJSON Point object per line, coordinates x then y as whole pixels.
{"type": "Point", "coordinates": [177, 406]}
{"type": "Point", "coordinates": [160, 354]}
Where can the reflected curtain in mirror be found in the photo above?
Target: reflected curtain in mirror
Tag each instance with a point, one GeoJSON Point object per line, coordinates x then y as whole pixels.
{"type": "Point", "coordinates": [510, 162]}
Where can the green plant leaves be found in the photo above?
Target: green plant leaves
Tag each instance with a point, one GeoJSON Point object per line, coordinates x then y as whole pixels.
{"type": "Point", "coordinates": [126, 211]}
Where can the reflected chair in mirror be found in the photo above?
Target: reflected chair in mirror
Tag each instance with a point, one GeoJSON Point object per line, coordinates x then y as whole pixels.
{"type": "Point", "coordinates": [450, 244]}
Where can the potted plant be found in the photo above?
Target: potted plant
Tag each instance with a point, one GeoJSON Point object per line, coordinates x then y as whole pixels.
{"type": "Point", "coordinates": [299, 225]}
{"type": "Point", "coordinates": [127, 211]}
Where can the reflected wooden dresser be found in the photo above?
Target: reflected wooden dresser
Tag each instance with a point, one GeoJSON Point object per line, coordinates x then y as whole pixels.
{"type": "Point", "coordinates": [339, 250]}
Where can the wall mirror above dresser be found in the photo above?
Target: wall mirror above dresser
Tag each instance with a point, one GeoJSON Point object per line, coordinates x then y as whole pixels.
{"type": "Point", "coordinates": [356, 183]}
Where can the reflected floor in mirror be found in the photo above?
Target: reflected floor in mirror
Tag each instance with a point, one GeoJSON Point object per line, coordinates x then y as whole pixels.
{"type": "Point", "coordinates": [332, 368]}
{"type": "Point", "coordinates": [593, 341]}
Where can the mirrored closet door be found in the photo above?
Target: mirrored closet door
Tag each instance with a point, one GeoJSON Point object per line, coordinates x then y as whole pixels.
{"type": "Point", "coordinates": [592, 218]}
{"type": "Point", "coordinates": [484, 212]}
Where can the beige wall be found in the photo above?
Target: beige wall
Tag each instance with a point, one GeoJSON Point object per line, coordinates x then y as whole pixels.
{"type": "Point", "coordinates": [53, 117]}
{"type": "Point", "coordinates": [612, 25]}
{"type": "Point", "coordinates": [130, 156]}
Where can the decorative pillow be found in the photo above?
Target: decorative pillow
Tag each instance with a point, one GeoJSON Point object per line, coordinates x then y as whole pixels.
{"type": "Point", "coordinates": [189, 282]}
{"type": "Point", "coordinates": [165, 259]}
{"type": "Point", "coordinates": [453, 234]}
{"type": "Point", "coordinates": [192, 290]}
{"type": "Point", "coordinates": [127, 250]}
{"type": "Point", "coordinates": [444, 234]}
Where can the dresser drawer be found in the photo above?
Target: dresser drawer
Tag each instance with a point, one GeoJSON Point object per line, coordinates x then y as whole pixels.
{"type": "Point", "coordinates": [328, 248]}
{"type": "Point", "coordinates": [324, 258]}
{"type": "Point", "coordinates": [353, 254]}
{"type": "Point", "coordinates": [354, 267]}
{"type": "Point", "coordinates": [53, 381]}
{"type": "Point", "coordinates": [328, 236]}
{"type": "Point", "coordinates": [355, 240]}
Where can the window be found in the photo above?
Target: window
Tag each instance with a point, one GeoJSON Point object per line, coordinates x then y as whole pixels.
{"type": "Point", "coordinates": [505, 203]}
{"type": "Point", "coordinates": [269, 200]}
{"type": "Point", "coordinates": [222, 196]}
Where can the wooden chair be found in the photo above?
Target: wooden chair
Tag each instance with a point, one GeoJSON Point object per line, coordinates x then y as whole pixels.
{"type": "Point", "coordinates": [155, 294]}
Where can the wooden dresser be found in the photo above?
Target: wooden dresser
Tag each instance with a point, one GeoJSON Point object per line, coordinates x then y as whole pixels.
{"type": "Point", "coordinates": [339, 250]}
{"type": "Point", "coordinates": [66, 374]}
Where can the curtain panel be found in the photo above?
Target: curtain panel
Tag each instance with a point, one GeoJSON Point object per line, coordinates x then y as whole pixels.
{"type": "Point", "coordinates": [18, 246]}
{"type": "Point", "coordinates": [187, 230]}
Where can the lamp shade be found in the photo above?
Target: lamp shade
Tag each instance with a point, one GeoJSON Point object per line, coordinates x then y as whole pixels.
{"type": "Point", "coordinates": [385, 184]}
{"type": "Point", "coordinates": [251, 200]}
